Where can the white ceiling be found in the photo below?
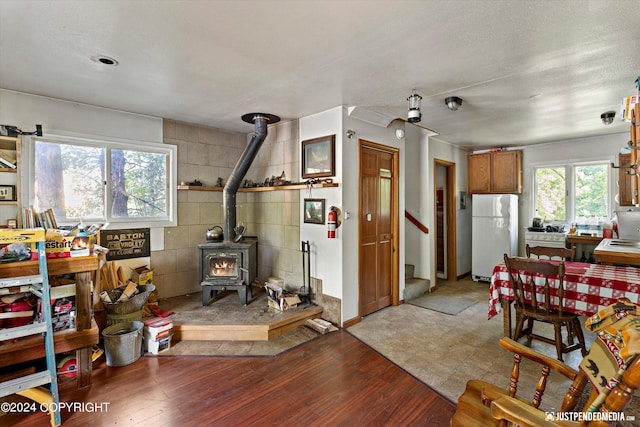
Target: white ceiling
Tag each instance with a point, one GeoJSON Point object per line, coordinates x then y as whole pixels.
{"type": "Point", "coordinates": [528, 71]}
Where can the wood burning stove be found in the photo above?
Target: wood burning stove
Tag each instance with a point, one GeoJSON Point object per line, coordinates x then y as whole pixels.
{"type": "Point", "coordinates": [228, 265]}
{"type": "Point", "coordinates": [233, 264]}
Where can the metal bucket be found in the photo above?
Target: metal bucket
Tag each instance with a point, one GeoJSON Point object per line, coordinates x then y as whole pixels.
{"type": "Point", "coordinates": [123, 343]}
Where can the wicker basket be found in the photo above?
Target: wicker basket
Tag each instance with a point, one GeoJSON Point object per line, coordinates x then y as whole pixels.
{"type": "Point", "coordinates": [133, 304]}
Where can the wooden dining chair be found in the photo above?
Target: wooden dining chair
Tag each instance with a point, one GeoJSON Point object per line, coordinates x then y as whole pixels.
{"type": "Point", "coordinates": [484, 404]}
{"type": "Point", "coordinates": [549, 252]}
{"type": "Point", "coordinates": [532, 283]}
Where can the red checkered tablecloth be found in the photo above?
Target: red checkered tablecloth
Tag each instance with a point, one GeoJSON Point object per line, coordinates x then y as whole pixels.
{"type": "Point", "coordinates": [588, 287]}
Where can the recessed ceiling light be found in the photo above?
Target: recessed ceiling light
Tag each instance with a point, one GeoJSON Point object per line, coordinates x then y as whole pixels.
{"type": "Point", "coordinates": [453, 103]}
{"type": "Point", "coordinates": [105, 60]}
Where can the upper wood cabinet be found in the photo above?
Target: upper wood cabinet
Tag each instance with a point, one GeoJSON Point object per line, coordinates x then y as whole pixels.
{"type": "Point", "coordinates": [496, 172]}
{"type": "Point", "coordinates": [625, 181]}
{"type": "Point", "coordinates": [635, 149]}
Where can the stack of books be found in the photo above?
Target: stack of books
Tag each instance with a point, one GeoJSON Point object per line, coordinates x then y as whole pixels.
{"type": "Point", "coordinates": [31, 218]}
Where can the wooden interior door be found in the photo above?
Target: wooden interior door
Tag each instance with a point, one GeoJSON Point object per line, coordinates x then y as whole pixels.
{"type": "Point", "coordinates": [440, 242]}
{"type": "Point", "coordinates": [376, 248]}
{"type": "Point", "coordinates": [449, 218]}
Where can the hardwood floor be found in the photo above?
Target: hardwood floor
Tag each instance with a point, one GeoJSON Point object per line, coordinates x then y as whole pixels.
{"type": "Point", "coordinates": [333, 380]}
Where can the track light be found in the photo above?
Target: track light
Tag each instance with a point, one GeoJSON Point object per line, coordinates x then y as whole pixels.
{"type": "Point", "coordinates": [414, 115]}
{"type": "Point", "coordinates": [453, 103]}
{"type": "Point", "coordinates": [607, 118]}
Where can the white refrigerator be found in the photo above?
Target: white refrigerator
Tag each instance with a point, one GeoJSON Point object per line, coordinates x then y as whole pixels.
{"type": "Point", "coordinates": [494, 232]}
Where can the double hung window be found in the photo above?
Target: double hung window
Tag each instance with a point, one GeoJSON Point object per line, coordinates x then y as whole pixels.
{"type": "Point", "coordinates": [564, 193]}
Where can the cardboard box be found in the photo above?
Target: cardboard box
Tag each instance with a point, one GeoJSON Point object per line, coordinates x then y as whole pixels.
{"type": "Point", "coordinates": [63, 314]}
{"type": "Point", "coordinates": [142, 275]}
{"type": "Point", "coordinates": [81, 245]}
{"type": "Point", "coordinates": [55, 247]}
{"type": "Point", "coordinates": [65, 247]}
{"type": "Point", "coordinates": [628, 104]}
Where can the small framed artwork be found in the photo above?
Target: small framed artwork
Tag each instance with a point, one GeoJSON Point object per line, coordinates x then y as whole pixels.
{"type": "Point", "coordinates": [12, 223]}
{"type": "Point", "coordinates": [7, 193]}
{"type": "Point", "coordinates": [318, 157]}
{"type": "Point", "coordinates": [314, 211]}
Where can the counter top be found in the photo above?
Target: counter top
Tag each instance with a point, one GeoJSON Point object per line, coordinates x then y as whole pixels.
{"type": "Point", "coordinates": [609, 251]}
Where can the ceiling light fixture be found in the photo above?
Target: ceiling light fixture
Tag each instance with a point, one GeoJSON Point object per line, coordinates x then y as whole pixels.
{"type": "Point", "coordinates": [414, 115]}
{"type": "Point", "coordinates": [607, 118]}
{"type": "Point", "coordinates": [105, 60]}
{"type": "Point", "coordinates": [453, 103]}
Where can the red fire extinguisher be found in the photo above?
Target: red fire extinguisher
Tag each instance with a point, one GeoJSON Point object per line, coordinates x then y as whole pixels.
{"type": "Point", "coordinates": [332, 219]}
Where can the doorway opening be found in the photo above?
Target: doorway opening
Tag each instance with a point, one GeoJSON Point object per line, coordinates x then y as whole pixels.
{"type": "Point", "coordinates": [445, 220]}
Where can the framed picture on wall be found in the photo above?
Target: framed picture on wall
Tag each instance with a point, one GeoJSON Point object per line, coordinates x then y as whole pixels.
{"type": "Point", "coordinates": [318, 157]}
{"type": "Point", "coordinates": [7, 193]}
{"type": "Point", "coordinates": [314, 211]}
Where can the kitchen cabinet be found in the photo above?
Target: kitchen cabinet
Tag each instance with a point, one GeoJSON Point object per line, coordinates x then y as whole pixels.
{"type": "Point", "coordinates": [635, 146]}
{"type": "Point", "coordinates": [10, 149]}
{"type": "Point", "coordinates": [625, 181]}
{"type": "Point", "coordinates": [495, 172]}
{"type": "Point", "coordinates": [629, 164]}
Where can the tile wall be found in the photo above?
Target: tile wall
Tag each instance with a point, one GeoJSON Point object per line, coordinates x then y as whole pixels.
{"type": "Point", "coordinates": [206, 153]}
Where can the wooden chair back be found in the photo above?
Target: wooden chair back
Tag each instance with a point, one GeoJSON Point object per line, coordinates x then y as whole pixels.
{"type": "Point", "coordinates": [549, 252]}
{"type": "Point", "coordinates": [484, 404]}
{"type": "Point", "coordinates": [529, 276]}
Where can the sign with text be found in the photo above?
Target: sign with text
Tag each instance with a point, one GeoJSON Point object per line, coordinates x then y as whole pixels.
{"type": "Point", "coordinates": [126, 243]}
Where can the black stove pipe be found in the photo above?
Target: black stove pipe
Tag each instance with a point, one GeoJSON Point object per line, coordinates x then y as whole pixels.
{"type": "Point", "coordinates": [240, 170]}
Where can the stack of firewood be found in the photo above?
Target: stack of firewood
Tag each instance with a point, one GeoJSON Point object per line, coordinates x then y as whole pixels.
{"type": "Point", "coordinates": [111, 277]}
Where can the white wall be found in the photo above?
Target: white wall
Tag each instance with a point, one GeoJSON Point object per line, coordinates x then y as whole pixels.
{"type": "Point", "coordinates": [326, 254]}
{"type": "Point", "coordinates": [55, 115]}
{"type": "Point", "coordinates": [423, 148]}
{"type": "Point", "coordinates": [335, 261]}
{"type": "Point", "coordinates": [71, 118]}
{"type": "Point", "coordinates": [419, 184]}
{"type": "Point", "coordinates": [442, 150]}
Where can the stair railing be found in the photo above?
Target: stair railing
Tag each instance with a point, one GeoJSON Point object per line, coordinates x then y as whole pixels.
{"type": "Point", "coordinates": [415, 222]}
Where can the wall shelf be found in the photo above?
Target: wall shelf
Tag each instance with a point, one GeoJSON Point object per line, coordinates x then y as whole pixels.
{"type": "Point", "coordinates": [300, 186]}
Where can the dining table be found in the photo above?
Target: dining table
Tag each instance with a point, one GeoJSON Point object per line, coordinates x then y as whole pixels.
{"type": "Point", "coordinates": [588, 288]}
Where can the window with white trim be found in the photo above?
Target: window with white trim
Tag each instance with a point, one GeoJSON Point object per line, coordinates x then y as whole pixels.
{"type": "Point", "coordinates": [92, 181]}
{"type": "Point", "coordinates": [564, 193]}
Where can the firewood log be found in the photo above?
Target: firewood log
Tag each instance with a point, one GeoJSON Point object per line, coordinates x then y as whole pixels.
{"type": "Point", "coordinates": [121, 278]}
